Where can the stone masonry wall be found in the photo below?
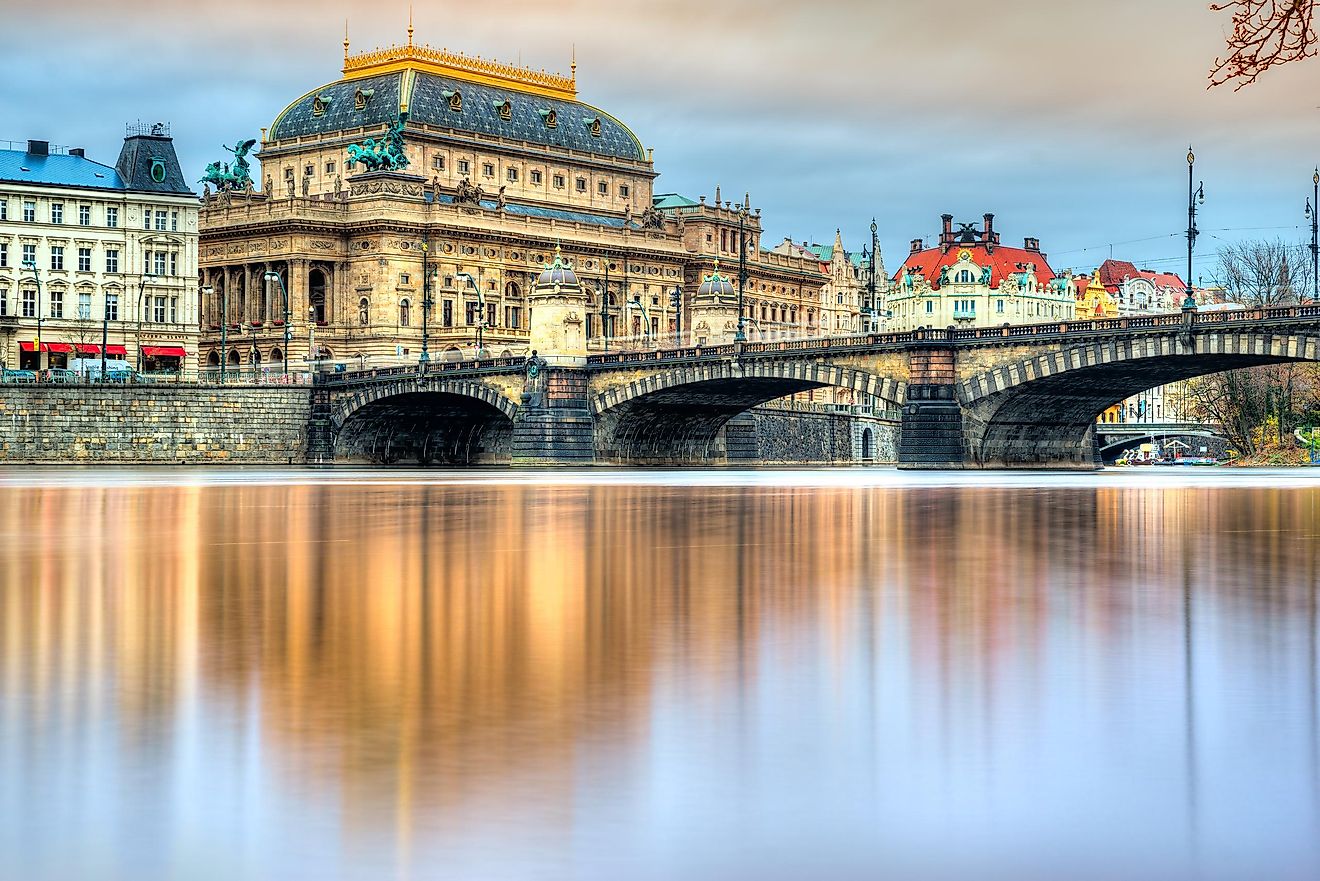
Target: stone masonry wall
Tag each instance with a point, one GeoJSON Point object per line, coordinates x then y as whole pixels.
{"type": "Point", "coordinates": [787, 437]}
{"type": "Point", "coordinates": [70, 424]}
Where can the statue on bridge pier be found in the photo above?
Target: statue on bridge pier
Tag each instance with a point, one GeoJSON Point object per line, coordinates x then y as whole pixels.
{"type": "Point", "coordinates": [534, 384]}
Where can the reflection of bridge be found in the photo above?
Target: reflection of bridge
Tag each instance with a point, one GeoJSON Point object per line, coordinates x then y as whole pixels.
{"type": "Point", "coordinates": [1013, 396]}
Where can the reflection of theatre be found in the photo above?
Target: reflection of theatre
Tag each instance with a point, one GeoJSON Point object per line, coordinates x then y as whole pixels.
{"type": "Point", "coordinates": [90, 251]}
{"type": "Point", "coordinates": [502, 164]}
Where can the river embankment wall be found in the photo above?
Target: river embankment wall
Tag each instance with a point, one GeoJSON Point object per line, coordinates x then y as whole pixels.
{"type": "Point", "coordinates": [184, 424]}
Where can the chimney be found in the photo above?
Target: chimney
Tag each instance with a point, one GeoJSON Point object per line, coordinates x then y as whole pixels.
{"type": "Point", "coordinates": [79, 152]}
{"type": "Point", "coordinates": [989, 227]}
{"type": "Point", "coordinates": [946, 231]}
{"type": "Point", "coordinates": [38, 148]}
{"type": "Point", "coordinates": [917, 245]}
{"type": "Point", "coordinates": [1031, 244]}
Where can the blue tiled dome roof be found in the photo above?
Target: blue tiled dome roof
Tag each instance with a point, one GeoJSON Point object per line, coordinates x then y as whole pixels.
{"type": "Point", "coordinates": [430, 100]}
{"type": "Point", "coordinates": [557, 274]}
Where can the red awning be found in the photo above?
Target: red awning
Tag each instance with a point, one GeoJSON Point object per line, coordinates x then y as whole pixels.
{"type": "Point", "coordinates": [65, 348]}
{"type": "Point", "coordinates": [85, 349]}
{"type": "Point", "coordinates": [112, 349]}
{"type": "Point", "coordinates": [164, 352]}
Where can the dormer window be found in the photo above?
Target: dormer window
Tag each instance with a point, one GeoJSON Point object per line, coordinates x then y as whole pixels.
{"type": "Point", "coordinates": [593, 126]}
{"type": "Point", "coordinates": [361, 97]}
{"type": "Point", "coordinates": [319, 104]}
{"type": "Point", "coordinates": [455, 100]}
{"type": "Point", "coordinates": [551, 119]}
{"type": "Point", "coordinates": [504, 109]}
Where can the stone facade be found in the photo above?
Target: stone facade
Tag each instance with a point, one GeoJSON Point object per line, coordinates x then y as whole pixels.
{"type": "Point", "coordinates": [787, 437]}
{"type": "Point", "coordinates": [127, 425]}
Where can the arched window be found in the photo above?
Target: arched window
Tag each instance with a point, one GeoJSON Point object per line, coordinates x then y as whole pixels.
{"type": "Point", "coordinates": [512, 290]}
{"type": "Point", "coordinates": [405, 313]}
{"type": "Point", "coordinates": [964, 276]}
{"type": "Point", "coordinates": [364, 311]}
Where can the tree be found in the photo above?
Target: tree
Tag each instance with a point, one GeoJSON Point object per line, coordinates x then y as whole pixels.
{"type": "Point", "coordinates": [1264, 272]}
{"type": "Point", "coordinates": [1266, 34]}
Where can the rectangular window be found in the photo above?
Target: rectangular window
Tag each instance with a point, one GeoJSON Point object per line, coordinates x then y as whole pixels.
{"type": "Point", "coordinates": [160, 221]}
{"type": "Point", "coordinates": [330, 167]}
{"type": "Point", "coordinates": [84, 259]}
{"type": "Point", "coordinates": [4, 302]}
{"type": "Point", "coordinates": [30, 303]}
{"type": "Point", "coordinates": [84, 215]}
{"type": "Point", "coordinates": [488, 169]}
{"type": "Point", "coordinates": [146, 218]}
{"type": "Point", "coordinates": [448, 319]}
{"type": "Point", "coordinates": [602, 188]}
{"type": "Point", "coordinates": [159, 262]}
{"type": "Point", "coordinates": [999, 306]}
{"type": "Point", "coordinates": [490, 314]}
{"type": "Point", "coordinates": [84, 305]}
{"type": "Point", "coordinates": [174, 263]}
{"type": "Point", "coordinates": [57, 212]}
{"type": "Point", "coordinates": [511, 174]}
{"type": "Point", "coordinates": [29, 255]}
{"type": "Point", "coordinates": [536, 178]}
{"type": "Point", "coordinates": [559, 181]}
{"type": "Point", "coordinates": [174, 310]}
{"type": "Point", "coordinates": [624, 191]}
{"type": "Point", "coordinates": [515, 316]}
{"type": "Point", "coordinates": [112, 216]}
{"type": "Point", "coordinates": [4, 209]}
{"type": "Point", "coordinates": [438, 163]}
{"type": "Point", "coordinates": [29, 212]}
{"type": "Point", "coordinates": [464, 166]}
{"type": "Point", "coordinates": [112, 260]}
{"type": "Point", "coordinates": [404, 278]}
{"type": "Point", "coordinates": [57, 257]}
{"type": "Point", "coordinates": [449, 281]}
{"type": "Point", "coordinates": [930, 307]}
{"type": "Point", "coordinates": [309, 170]}
{"type": "Point", "coordinates": [57, 303]}
{"type": "Point", "coordinates": [472, 313]}
{"type": "Point", "coordinates": [581, 185]}
{"type": "Point", "coordinates": [158, 313]}
{"type": "Point", "coordinates": [112, 307]}
{"type": "Point", "coordinates": [4, 254]}
{"type": "Point", "coordinates": [174, 221]}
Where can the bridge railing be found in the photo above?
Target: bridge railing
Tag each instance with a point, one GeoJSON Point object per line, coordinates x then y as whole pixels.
{"type": "Point", "coordinates": [432, 368]}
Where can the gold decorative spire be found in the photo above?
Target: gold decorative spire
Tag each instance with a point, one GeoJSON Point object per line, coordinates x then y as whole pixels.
{"type": "Point", "coordinates": [572, 67]}
{"type": "Point", "coordinates": [346, 42]}
{"type": "Point", "coordinates": [410, 25]}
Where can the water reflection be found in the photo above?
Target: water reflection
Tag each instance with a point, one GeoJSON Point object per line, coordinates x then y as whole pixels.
{"type": "Point", "coordinates": [325, 680]}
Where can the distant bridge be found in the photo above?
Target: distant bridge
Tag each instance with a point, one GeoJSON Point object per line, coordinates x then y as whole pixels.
{"type": "Point", "coordinates": [1020, 396]}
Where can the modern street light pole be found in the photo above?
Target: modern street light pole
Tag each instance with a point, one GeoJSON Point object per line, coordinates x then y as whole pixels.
{"type": "Point", "coordinates": [36, 277]}
{"type": "Point", "coordinates": [1194, 195]}
{"type": "Point", "coordinates": [741, 334]}
{"type": "Point", "coordinates": [1313, 214]}
{"type": "Point", "coordinates": [284, 292]}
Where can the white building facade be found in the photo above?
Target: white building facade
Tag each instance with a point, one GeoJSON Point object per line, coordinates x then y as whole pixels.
{"type": "Point", "coordinates": [94, 255]}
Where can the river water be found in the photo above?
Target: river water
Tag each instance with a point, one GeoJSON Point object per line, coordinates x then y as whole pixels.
{"type": "Point", "coordinates": [695, 675]}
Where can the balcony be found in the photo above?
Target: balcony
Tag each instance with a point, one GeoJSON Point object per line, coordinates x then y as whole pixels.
{"type": "Point", "coordinates": [961, 314]}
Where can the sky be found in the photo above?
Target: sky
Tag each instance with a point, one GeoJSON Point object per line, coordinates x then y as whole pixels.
{"type": "Point", "coordinates": [1069, 120]}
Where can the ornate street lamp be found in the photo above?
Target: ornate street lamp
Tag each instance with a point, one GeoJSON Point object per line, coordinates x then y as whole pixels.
{"type": "Point", "coordinates": [676, 300]}
{"type": "Point", "coordinates": [741, 335]}
{"type": "Point", "coordinates": [636, 303]}
{"type": "Point", "coordinates": [1313, 215]}
{"type": "Point", "coordinates": [481, 312]}
{"type": "Point", "coordinates": [427, 272]}
{"type": "Point", "coordinates": [36, 277]}
{"type": "Point", "coordinates": [870, 282]}
{"type": "Point", "coordinates": [1195, 196]}
{"type": "Point", "coordinates": [284, 292]}
{"type": "Point", "coordinates": [205, 291]}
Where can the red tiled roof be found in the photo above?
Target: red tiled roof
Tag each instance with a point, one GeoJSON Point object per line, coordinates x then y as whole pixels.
{"type": "Point", "coordinates": [1003, 262]}
{"type": "Point", "coordinates": [1113, 272]}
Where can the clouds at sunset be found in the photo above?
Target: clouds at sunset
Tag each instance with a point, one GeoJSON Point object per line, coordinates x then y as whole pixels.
{"type": "Point", "coordinates": [1068, 120]}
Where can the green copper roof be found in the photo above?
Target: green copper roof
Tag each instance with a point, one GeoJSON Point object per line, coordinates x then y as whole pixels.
{"type": "Point", "coordinates": [671, 200]}
{"type": "Point", "coordinates": [431, 100]}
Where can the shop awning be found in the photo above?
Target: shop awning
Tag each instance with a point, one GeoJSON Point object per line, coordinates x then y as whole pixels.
{"type": "Point", "coordinates": [87, 349]}
{"type": "Point", "coordinates": [112, 349]}
{"type": "Point", "coordinates": [164, 352]}
{"type": "Point", "coordinates": [65, 348]}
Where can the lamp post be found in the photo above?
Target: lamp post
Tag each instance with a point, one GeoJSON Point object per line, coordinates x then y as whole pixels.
{"type": "Point", "coordinates": [870, 281]}
{"type": "Point", "coordinates": [36, 277]}
{"type": "Point", "coordinates": [481, 312]}
{"type": "Point", "coordinates": [604, 308]}
{"type": "Point", "coordinates": [206, 291]}
{"type": "Point", "coordinates": [676, 300]}
{"type": "Point", "coordinates": [284, 292]}
{"type": "Point", "coordinates": [741, 334]}
{"type": "Point", "coordinates": [426, 300]}
{"type": "Point", "coordinates": [224, 331]}
{"type": "Point", "coordinates": [311, 337]}
{"type": "Point", "coordinates": [1195, 195]}
{"type": "Point", "coordinates": [1313, 214]}
{"type": "Point", "coordinates": [636, 303]}
{"type": "Point", "coordinates": [142, 287]}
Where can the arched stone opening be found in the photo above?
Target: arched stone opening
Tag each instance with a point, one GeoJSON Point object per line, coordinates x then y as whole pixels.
{"type": "Point", "coordinates": [234, 359]}
{"type": "Point", "coordinates": [426, 428]}
{"type": "Point", "coordinates": [317, 289]}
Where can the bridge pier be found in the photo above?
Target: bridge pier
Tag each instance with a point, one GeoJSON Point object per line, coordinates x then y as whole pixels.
{"type": "Point", "coordinates": [554, 425]}
{"type": "Point", "coordinates": [931, 436]}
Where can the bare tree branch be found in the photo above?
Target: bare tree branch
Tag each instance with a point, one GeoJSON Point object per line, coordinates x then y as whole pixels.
{"type": "Point", "coordinates": [1266, 34]}
{"type": "Point", "coordinates": [1264, 273]}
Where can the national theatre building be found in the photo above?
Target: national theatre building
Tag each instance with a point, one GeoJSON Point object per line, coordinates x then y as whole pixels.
{"type": "Point", "coordinates": [423, 174]}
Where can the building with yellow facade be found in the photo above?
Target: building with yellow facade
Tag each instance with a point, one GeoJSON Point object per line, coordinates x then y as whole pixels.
{"type": "Point", "coordinates": [423, 175]}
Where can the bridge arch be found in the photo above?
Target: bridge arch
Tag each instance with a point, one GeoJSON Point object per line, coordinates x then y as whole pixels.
{"type": "Point", "coordinates": [687, 413]}
{"type": "Point", "coordinates": [1042, 410]}
{"type": "Point", "coordinates": [423, 420]}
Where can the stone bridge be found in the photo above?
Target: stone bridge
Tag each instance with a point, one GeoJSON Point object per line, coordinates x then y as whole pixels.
{"type": "Point", "coordinates": [1022, 396]}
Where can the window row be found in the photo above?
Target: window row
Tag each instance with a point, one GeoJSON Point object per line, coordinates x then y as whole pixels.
{"type": "Point", "coordinates": [60, 213]}
{"type": "Point", "coordinates": [56, 302]}
{"type": "Point", "coordinates": [535, 177]}
{"type": "Point", "coordinates": [157, 262]}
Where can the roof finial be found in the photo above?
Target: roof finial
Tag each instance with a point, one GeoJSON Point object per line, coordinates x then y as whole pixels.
{"type": "Point", "coordinates": [559, 257]}
{"type": "Point", "coordinates": [345, 39]}
{"type": "Point", "coordinates": [410, 25]}
{"type": "Point", "coordinates": [572, 67]}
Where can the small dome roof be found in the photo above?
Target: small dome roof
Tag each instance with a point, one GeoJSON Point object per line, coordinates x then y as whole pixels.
{"type": "Point", "coordinates": [715, 284]}
{"type": "Point", "coordinates": [557, 274]}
